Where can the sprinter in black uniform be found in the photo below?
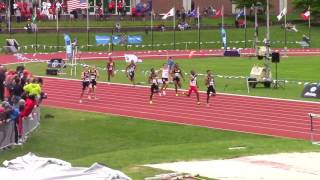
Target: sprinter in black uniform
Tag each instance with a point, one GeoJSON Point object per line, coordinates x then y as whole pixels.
{"type": "Point", "coordinates": [153, 79]}
{"type": "Point", "coordinates": [210, 83]}
{"type": "Point", "coordinates": [177, 75]}
{"type": "Point", "coordinates": [94, 75]}
{"type": "Point", "coordinates": [130, 69]}
{"type": "Point", "coordinates": [85, 76]}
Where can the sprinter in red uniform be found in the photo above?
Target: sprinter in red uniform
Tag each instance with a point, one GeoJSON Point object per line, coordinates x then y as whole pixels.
{"type": "Point", "coordinates": [193, 85]}
{"type": "Point", "coordinates": [111, 66]}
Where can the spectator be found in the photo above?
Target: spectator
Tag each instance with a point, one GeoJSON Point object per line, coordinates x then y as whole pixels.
{"type": "Point", "coordinates": [112, 6]}
{"type": "Point", "coordinates": [2, 80]}
{"type": "Point", "coordinates": [33, 88]}
{"type": "Point", "coordinates": [25, 112]}
{"type": "Point", "coordinates": [18, 15]}
{"type": "Point", "coordinates": [11, 114]}
{"type": "Point", "coordinates": [118, 27]}
{"type": "Point", "coordinates": [120, 7]}
{"type": "Point", "coordinates": [16, 91]}
{"type": "Point", "coordinates": [28, 27]}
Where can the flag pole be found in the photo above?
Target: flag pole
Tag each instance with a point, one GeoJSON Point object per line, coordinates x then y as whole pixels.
{"type": "Point", "coordinates": [57, 27]}
{"type": "Point", "coordinates": [222, 17]}
{"type": "Point", "coordinates": [285, 34]}
{"type": "Point", "coordinates": [199, 37]}
{"type": "Point", "coordinates": [174, 26]}
{"type": "Point", "coordinates": [9, 18]}
{"type": "Point", "coordinates": [88, 39]}
{"type": "Point", "coordinates": [309, 21]}
{"type": "Point", "coordinates": [256, 29]}
{"type": "Point", "coordinates": [152, 28]}
{"type": "Point", "coordinates": [245, 26]}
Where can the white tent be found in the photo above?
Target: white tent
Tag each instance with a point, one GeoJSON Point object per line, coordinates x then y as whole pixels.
{"type": "Point", "coordinates": [32, 167]}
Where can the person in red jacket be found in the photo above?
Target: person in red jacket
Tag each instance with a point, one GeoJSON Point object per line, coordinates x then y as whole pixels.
{"type": "Point", "coordinates": [25, 112]}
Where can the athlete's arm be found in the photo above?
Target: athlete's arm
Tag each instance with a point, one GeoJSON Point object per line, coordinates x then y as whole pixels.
{"type": "Point", "coordinates": [206, 81]}
{"type": "Point", "coordinates": [98, 74]}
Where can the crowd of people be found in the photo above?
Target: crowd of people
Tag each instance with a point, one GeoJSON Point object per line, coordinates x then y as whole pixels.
{"type": "Point", "coordinates": [20, 93]}
{"type": "Point", "coordinates": [170, 72]}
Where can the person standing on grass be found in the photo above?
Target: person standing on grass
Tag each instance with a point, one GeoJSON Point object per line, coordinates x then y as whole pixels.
{"type": "Point", "coordinates": [94, 75]}
{"type": "Point", "coordinates": [153, 79]}
{"type": "Point", "coordinates": [111, 65]}
{"type": "Point", "coordinates": [85, 76]}
{"type": "Point", "coordinates": [170, 63]}
{"type": "Point", "coordinates": [165, 78]}
{"type": "Point", "coordinates": [177, 75]}
{"type": "Point", "coordinates": [210, 83]}
{"type": "Point", "coordinates": [130, 69]}
{"type": "Point", "coordinates": [193, 85]}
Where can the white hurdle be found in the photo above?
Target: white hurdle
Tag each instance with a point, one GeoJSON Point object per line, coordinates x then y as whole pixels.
{"type": "Point", "coordinates": [312, 129]}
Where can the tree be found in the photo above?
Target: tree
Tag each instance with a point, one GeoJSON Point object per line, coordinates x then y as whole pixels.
{"type": "Point", "coordinates": [305, 4]}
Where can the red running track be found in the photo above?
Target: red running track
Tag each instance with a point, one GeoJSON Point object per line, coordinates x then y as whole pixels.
{"type": "Point", "coordinates": [229, 112]}
{"type": "Point", "coordinates": [145, 54]}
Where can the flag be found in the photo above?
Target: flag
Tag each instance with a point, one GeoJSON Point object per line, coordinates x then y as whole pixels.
{"type": "Point", "coordinates": [169, 14]}
{"type": "Point", "coordinates": [76, 4]}
{"type": "Point", "coordinates": [240, 14]}
{"type": "Point", "coordinates": [219, 13]}
{"type": "Point", "coordinates": [282, 13]}
{"type": "Point", "coordinates": [305, 15]}
{"type": "Point", "coordinates": [193, 13]}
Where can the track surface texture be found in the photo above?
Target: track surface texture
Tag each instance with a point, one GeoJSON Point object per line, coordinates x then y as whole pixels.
{"type": "Point", "coordinates": [266, 116]}
{"type": "Point", "coordinates": [239, 113]}
{"type": "Point", "coordinates": [145, 54]}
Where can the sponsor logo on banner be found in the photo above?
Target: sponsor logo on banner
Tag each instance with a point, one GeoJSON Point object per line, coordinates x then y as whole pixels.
{"type": "Point", "coordinates": [311, 91]}
{"type": "Point", "coordinates": [137, 39]}
{"type": "Point", "coordinates": [103, 40]}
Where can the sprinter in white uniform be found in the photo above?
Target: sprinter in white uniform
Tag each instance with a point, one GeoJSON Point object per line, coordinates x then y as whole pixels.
{"type": "Point", "coordinates": [165, 78]}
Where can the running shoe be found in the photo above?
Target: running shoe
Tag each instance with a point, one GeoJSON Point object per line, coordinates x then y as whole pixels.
{"type": "Point", "coordinates": [198, 103]}
{"type": "Point", "coordinates": [164, 93]}
{"type": "Point", "coordinates": [80, 101]}
{"type": "Point", "coordinates": [150, 102]}
{"type": "Point", "coordinates": [177, 94]}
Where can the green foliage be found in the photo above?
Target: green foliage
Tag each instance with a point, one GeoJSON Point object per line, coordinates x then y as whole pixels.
{"type": "Point", "coordinates": [305, 4]}
{"type": "Point", "coordinates": [300, 69]}
{"type": "Point", "coordinates": [83, 138]}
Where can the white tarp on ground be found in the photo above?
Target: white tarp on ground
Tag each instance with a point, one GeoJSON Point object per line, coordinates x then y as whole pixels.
{"type": "Point", "coordinates": [32, 167]}
{"type": "Point", "coordinates": [293, 166]}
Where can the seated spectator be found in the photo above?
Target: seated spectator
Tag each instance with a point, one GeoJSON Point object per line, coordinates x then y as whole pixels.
{"type": "Point", "coordinates": [117, 27]}
{"type": "Point", "coordinates": [28, 27]}
{"type": "Point", "coordinates": [180, 27]}
{"type": "Point", "coordinates": [162, 28]}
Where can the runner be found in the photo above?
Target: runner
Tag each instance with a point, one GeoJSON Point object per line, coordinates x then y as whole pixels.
{"type": "Point", "coordinates": [85, 76]}
{"type": "Point", "coordinates": [193, 85]}
{"type": "Point", "coordinates": [153, 79]}
{"type": "Point", "coordinates": [94, 75]}
{"type": "Point", "coordinates": [177, 75]}
{"type": "Point", "coordinates": [130, 69]}
{"type": "Point", "coordinates": [111, 65]}
{"type": "Point", "coordinates": [165, 78]}
{"type": "Point", "coordinates": [210, 83]}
